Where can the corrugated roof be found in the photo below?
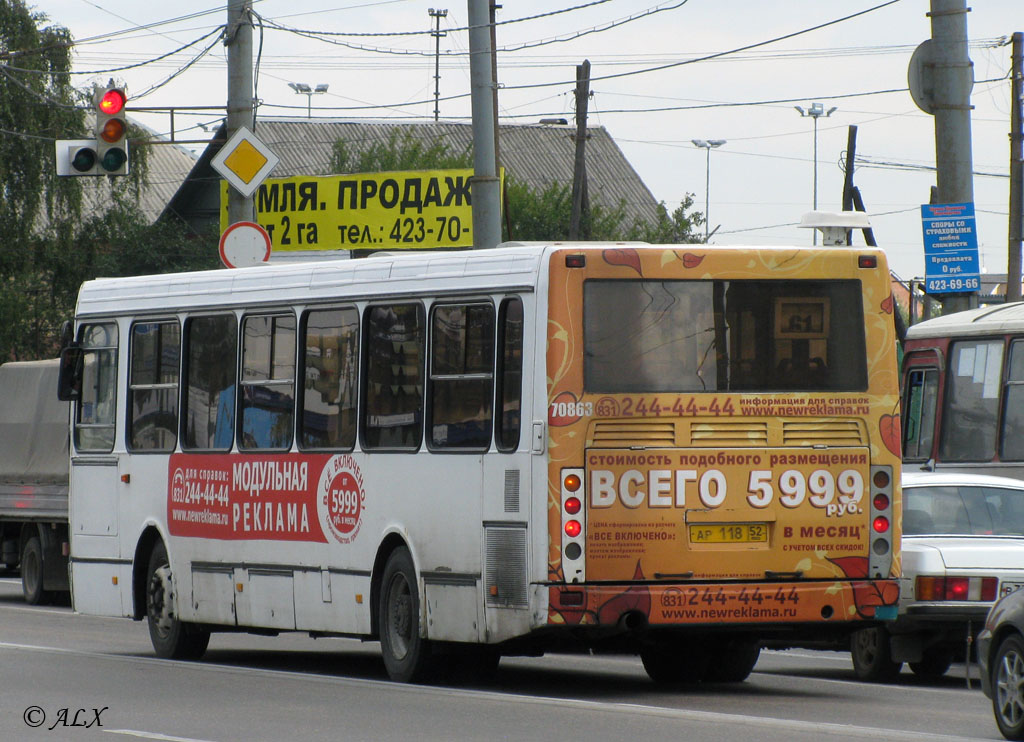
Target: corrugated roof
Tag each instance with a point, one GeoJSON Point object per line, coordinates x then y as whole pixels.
{"type": "Point", "coordinates": [537, 154]}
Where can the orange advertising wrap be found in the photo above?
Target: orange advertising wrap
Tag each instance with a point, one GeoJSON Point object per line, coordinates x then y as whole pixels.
{"type": "Point", "coordinates": [723, 506]}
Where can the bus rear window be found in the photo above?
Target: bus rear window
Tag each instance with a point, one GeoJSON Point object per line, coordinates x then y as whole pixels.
{"type": "Point", "coordinates": [694, 336]}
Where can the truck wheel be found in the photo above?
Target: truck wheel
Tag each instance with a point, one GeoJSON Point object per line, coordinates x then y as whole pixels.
{"type": "Point", "coordinates": [407, 655]}
{"type": "Point", "coordinates": [872, 659]}
{"type": "Point", "coordinates": [32, 572]}
{"type": "Point", "coordinates": [1008, 687]}
{"type": "Point", "coordinates": [171, 638]}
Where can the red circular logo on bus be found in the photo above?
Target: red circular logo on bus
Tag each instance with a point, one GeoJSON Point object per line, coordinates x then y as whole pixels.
{"type": "Point", "coordinates": [341, 498]}
{"type": "Point", "coordinates": [344, 504]}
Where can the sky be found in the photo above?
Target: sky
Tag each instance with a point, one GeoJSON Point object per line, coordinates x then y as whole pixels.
{"type": "Point", "coordinates": [756, 185]}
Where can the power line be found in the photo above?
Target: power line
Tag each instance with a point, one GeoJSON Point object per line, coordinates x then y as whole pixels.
{"type": "Point", "coordinates": [151, 60]}
{"type": "Point", "coordinates": [716, 55]}
{"type": "Point", "coordinates": [378, 34]}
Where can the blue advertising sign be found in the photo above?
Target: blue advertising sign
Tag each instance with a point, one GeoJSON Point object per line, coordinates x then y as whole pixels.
{"type": "Point", "coordinates": [950, 248]}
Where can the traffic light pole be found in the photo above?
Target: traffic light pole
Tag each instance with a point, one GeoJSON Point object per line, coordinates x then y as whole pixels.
{"type": "Point", "coordinates": [238, 40]}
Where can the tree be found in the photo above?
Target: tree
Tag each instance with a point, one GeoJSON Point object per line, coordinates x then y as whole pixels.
{"type": "Point", "coordinates": [37, 105]}
{"type": "Point", "coordinates": [48, 247]}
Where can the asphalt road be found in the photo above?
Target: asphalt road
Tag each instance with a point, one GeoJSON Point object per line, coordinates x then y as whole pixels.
{"type": "Point", "coordinates": [70, 677]}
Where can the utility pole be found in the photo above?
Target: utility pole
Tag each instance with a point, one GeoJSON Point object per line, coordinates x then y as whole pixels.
{"type": "Point", "coordinates": [953, 79]}
{"type": "Point", "coordinates": [485, 186]}
{"type": "Point", "coordinates": [238, 40]}
{"type": "Point", "coordinates": [437, 33]}
{"type": "Point", "coordinates": [579, 221]}
{"type": "Point", "coordinates": [1013, 277]}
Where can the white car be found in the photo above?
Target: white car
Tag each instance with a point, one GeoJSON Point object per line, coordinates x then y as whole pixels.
{"type": "Point", "coordinates": [963, 548]}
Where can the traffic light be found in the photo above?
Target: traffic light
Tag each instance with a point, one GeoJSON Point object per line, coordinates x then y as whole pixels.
{"type": "Point", "coordinates": [111, 130]}
{"type": "Point", "coordinates": [107, 153]}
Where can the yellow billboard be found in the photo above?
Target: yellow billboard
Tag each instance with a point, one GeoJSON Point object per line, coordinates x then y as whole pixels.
{"type": "Point", "coordinates": [365, 211]}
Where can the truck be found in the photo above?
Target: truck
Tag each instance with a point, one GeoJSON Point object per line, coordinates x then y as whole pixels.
{"type": "Point", "coordinates": [34, 478]}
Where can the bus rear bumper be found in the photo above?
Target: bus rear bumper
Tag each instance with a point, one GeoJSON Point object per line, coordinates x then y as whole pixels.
{"type": "Point", "coordinates": [657, 604]}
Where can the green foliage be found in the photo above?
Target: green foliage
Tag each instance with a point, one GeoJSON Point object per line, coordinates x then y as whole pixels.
{"type": "Point", "coordinates": [545, 215]}
{"type": "Point", "coordinates": [402, 151]}
{"type": "Point", "coordinates": [530, 214]}
{"type": "Point", "coordinates": [37, 105]}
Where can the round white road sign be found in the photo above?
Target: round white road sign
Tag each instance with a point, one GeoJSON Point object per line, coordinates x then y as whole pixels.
{"type": "Point", "coordinates": [244, 243]}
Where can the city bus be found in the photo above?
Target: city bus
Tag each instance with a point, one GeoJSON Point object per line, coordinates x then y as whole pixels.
{"type": "Point", "coordinates": [673, 451]}
{"type": "Point", "coordinates": [963, 392]}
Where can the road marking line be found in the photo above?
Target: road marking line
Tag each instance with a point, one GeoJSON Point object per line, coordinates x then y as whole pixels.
{"type": "Point", "coordinates": [154, 735]}
{"type": "Point", "coordinates": [711, 717]}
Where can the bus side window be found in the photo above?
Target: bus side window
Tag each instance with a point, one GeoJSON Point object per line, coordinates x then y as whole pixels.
{"type": "Point", "coordinates": [461, 376]}
{"type": "Point", "coordinates": [1013, 406]}
{"type": "Point", "coordinates": [95, 416]}
{"type": "Point", "coordinates": [330, 370]}
{"type": "Point", "coordinates": [211, 352]}
{"type": "Point", "coordinates": [510, 374]}
{"type": "Point", "coordinates": [268, 382]}
{"type": "Point", "coordinates": [921, 395]}
{"type": "Point", "coordinates": [153, 386]}
{"type": "Point", "coordinates": [972, 401]}
{"type": "Point", "coordinates": [392, 412]}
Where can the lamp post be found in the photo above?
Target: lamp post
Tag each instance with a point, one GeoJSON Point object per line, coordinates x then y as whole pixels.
{"type": "Point", "coordinates": [303, 89]}
{"type": "Point", "coordinates": [707, 144]}
{"type": "Point", "coordinates": [816, 111]}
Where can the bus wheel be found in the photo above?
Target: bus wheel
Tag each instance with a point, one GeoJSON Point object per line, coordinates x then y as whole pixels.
{"type": "Point", "coordinates": [406, 654]}
{"type": "Point", "coordinates": [1008, 687]}
{"type": "Point", "coordinates": [32, 572]}
{"type": "Point", "coordinates": [933, 664]}
{"type": "Point", "coordinates": [872, 659]}
{"type": "Point", "coordinates": [733, 661]}
{"type": "Point", "coordinates": [172, 639]}
{"type": "Point", "coordinates": [676, 664]}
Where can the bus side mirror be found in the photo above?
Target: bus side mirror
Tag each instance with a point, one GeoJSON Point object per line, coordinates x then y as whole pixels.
{"type": "Point", "coordinates": [69, 379]}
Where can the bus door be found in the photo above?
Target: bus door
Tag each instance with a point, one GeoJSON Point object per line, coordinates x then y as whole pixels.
{"type": "Point", "coordinates": [95, 484]}
{"type": "Point", "coordinates": [508, 474]}
{"type": "Point", "coordinates": [921, 392]}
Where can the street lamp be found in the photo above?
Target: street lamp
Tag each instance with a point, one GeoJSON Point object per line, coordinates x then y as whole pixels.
{"type": "Point", "coordinates": [816, 111]}
{"type": "Point", "coordinates": [707, 144]}
{"type": "Point", "coordinates": [303, 89]}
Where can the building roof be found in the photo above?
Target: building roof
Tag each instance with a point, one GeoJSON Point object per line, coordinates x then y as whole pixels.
{"type": "Point", "coordinates": [539, 154]}
{"type": "Point", "coordinates": [169, 165]}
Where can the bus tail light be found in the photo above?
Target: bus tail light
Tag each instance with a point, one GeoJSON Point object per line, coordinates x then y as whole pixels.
{"type": "Point", "coordinates": [956, 588]}
{"type": "Point", "coordinates": [573, 525]}
{"type": "Point", "coordinates": [880, 532]}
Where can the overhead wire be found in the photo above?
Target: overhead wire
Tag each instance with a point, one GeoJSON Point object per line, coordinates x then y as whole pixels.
{"type": "Point", "coordinates": [324, 36]}
{"type": "Point", "coordinates": [108, 70]}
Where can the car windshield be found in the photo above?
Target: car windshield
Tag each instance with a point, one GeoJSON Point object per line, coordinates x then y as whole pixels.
{"type": "Point", "coordinates": [963, 510]}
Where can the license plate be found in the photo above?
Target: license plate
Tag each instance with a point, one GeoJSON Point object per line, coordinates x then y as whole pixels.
{"type": "Point", "coordinates": [1008, 587]}
{"type": "Point", "coordinates": [728, 533]}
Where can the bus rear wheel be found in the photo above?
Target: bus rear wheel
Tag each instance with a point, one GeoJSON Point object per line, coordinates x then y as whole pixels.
{"type": "Point", "coordinates": [407, 655]}
{"type": "Point", "coordinates": [678, 663]}
{"type": "Point", "coordinates": [733, 661]}
{"type": "Point", "coordinates": [171, 638]}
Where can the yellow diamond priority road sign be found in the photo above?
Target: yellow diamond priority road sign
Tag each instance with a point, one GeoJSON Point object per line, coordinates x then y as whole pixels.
{"type": "Point", "coordinates": [244, 161]}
